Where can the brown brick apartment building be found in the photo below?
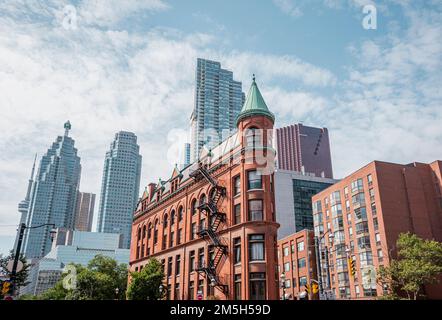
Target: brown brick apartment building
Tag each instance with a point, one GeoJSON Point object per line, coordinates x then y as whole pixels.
{"type": "Point", "coordinates": [212, 224]}
{"type": "Point", "coordinates": [297, 262]}
{"type": "Point", "coordinates": [366, 212]}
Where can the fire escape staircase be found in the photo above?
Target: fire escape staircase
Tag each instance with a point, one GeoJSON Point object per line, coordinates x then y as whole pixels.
{"type": "Point", "coordinates": [210, 232]}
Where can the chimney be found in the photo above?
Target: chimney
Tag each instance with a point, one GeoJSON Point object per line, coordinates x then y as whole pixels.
{"type": "Point", "coordinates": [151, 187]}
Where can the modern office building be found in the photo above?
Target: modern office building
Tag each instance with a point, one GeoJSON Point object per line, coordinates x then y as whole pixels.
{"type": "Point", "coordinates": [53, 195]}
{"type": "Point", "coordinates": [303, 148]}
{"type": "Point", "coordinates": [293, 200]}
{"type": "Point", "coordinates": [212, 225]}
{"type": "Point", "coordinates": [23, 206]}
{"type": "Point", "coordinates": [297, 266]}
{"type": "Point", "coordinates": [120, 186]}
{"type": "Point", "coordinates": [84, 211]}
{"type": "Point", "coordinates": [77, 247]}
{"type": "Point", "coordinates": [218, 101]}
{"type": "Point", "coordinates": [187, 156]}
{"type": "Point", "coordinates": [366, 212]}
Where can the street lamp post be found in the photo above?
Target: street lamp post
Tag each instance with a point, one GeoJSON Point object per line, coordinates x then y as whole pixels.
{"type": "Point", "coordinates": [318, 250]}
{"type": "Point", "coordinates": [21, 233]}
{"type": "Point", "coordinates": [117, 291]}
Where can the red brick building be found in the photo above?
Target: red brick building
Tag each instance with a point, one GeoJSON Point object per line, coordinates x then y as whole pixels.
{"type": "Point", "coordinates": [297, 262]}
{"type": "Point", "coordinates": [366, 212]}
{"type": "Point", "coordinates": [212, 224]}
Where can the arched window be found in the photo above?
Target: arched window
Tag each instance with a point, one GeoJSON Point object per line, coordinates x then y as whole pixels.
{"type": "Point", "coordinates": [202, 199]}
{"type": "Point", "coordinates": [253, 137]}
{"type": "Point", "coordinates": [193, 207]}
{"type": "Point", "coordinates": [165, 221]}
{"type": "Point", "coordinates": [172, 218]}
{"type": "Point", "coordinates": [212, 194]}
{"type": "Point", "coordinates": [149, 230]}
{"type": "Point", "coordinates": [144, 231]}
{"type": "Point", "coordinates": [180, 214]}
{"type": "Point", "coordinates": [155, 233]}
{"type": "Point", "coordinates": [139, 234]}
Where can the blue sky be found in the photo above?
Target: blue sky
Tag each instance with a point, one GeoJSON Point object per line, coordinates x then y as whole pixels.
{"type": "Point", "coordinates": [129, 65]}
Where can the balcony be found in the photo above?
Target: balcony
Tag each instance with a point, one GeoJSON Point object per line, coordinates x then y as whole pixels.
{"type": "Point", "coordinates": [357, 190]}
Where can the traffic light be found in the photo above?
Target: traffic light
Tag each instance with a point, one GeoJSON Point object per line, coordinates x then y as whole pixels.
{"type": "Point", "coordinates": [6, 287]}
{"type": "Point", "coordinates": [352, 266]}
{"type": "Point", "coordinates": [315, 288]}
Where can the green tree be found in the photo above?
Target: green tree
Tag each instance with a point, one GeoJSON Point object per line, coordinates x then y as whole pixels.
{"type": "Point", "coordinates": [419, 263]}
{"type": "Point", "coordinates": [98, 281]}
{"type": "Point", "coordinates": [21, 276]}
{"type": "Point", "coordinates": [145, 285]}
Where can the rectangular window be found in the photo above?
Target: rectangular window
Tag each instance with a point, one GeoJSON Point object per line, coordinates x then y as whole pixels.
{"type": "Point", "coordinates": [378, 238]}
{"type": "Point", "coordinates": [254, 180]}
{"type": "Point", "coordinates": [255, 210]}
{"type": "Point", "coordinates": [257, 286]}
{"type": "Point", "coordinates": [201, 287]}
{"type": "Point", "coordinates": [237, 210]}
{"type": "Point", "coordinates": [237, 287]}
{"type": "Point", "coordinates": [370, 180]}
{"type": "Point", "coordinates": [286, 251]}
{"type": "Point", "coordinates": [172, 234]}
{"type": "Point", "coordinates": [201, 257]}
{"type": "Point", "coordinates": [169, 267]}
{"type": "Point", "coordinates": [287, 267]}
{"type": "Point", "coordinates": [301, 263]}
{"type": "Point", "coordinates": [236, 185]}
{"type": "Point", "coordinates": [300, 246]}
{"type": "Point", "coordinates": [237, 250]}
{"type": "Point", "coordinates": [361, 227]}
{"type": "Point", "coordinates": [177, 291]}
{"type": "Point", "coordinates": [193, 234]}
{"type": "Point", "coordinates": [192, 290]}
{"type": "Point", "coordinates": [302, 281]}
{"type": "Point", "coordinates": [357, 186]}
{"type": "Point", "coordinates": [177, 265]}
{"type": "Point", "coordinates": [256, 247]}
{"type": "Point", "coordinates": [192, 261]}
{"type": "Point", "coordinates": [179, 236]}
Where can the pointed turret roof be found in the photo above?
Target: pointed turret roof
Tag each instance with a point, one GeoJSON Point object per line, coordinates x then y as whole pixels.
{"type": "Point", "coordinates": [254, 105]}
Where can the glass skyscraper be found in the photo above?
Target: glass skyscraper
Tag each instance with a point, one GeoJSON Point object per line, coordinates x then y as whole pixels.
{"type": "Point", "coordinates": [53, 195]}
{"type": "Point", "coordinates": [218, 101]}
{"type": "Point", "coordinates": [120, 186]}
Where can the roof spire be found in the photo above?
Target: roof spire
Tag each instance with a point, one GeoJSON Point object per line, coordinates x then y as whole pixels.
{"type": "Point", "coordinates": [255, 104]}
{"type": "Point", "coordinates": [67, 127]}
{"type": "Point", "coordinates": [33, 168]}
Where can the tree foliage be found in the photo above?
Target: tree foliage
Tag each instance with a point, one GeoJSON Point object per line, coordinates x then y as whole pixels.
{"type": "Point", "coordinates": [98, 281]}
{"type": "Point", "coordinates": [145, 285]}
{"type": "Point", "coordinates": [419, 263]}
{"type": "Point", "coordinates": [21, 276]}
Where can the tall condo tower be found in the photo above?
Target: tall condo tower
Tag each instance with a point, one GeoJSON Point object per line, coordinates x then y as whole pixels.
{"type": "Point", "coordinates": [120, 186]}
{"type": "Point", "coordinates": [218, 101]}
{"type": "Point", "coordinates": [53, 195]}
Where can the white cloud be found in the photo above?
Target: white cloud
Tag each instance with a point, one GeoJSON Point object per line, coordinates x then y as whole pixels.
{"type": "Point", "coordinates": [288, 7]}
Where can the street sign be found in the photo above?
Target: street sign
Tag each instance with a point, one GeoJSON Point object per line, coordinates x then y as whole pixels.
{"type": "Point", "coordinates": [11, 264]}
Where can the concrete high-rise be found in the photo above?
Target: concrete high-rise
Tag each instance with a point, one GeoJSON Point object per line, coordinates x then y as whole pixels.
{"type": "Point", "coordinates": [293, 200]}
{"type": "Point", "coordinates": [53, 195]}
{"type": "Point", "coordinates": [218, 101]}
{"type": "Point", "coordinates": [304, 149]}
{"type": "Point", "coordinates": [84, 211]}
{"type": "Point", "coordinates": [120, 186]}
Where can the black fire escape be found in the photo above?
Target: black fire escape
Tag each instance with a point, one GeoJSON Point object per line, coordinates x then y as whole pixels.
{"type": "Point", "coordinates": [210, 230]}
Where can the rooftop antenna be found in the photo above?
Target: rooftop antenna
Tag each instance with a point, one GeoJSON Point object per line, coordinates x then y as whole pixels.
{"type": "Point", "coordinates": [67, 127]}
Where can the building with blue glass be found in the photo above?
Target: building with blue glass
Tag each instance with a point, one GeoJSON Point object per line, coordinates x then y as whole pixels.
{"type": "Point", "coordinates": [120, 186]}
{"type": "Point", "coordinates": [53, 195]}
{"type": "Point", "coordinates": [293, 199]}
{"type": "Point", "coordinates": [218, 101]}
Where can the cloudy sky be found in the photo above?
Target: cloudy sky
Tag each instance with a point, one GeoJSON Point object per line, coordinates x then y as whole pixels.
{"type": "Point", "coordinates": [129, 65]}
